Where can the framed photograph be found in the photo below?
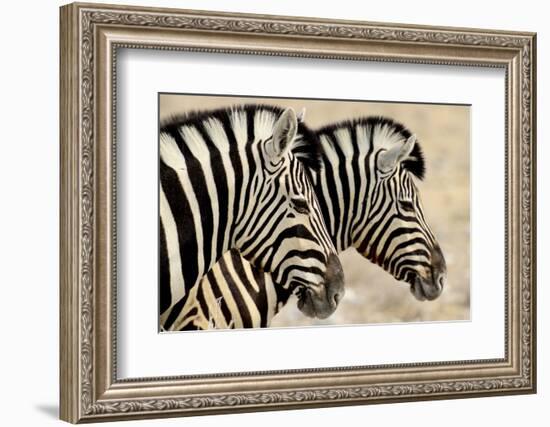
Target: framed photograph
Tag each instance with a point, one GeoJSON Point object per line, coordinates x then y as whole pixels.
{"type": "Point", "coordinates": [267, 212]}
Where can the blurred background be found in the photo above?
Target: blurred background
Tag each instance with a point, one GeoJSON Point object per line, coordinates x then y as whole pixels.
{"type": "Point", "coordinates": [372, 295]}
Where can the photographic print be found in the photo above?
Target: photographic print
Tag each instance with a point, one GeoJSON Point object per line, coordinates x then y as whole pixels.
{"type": "Point", "coordinates": [278, 212]}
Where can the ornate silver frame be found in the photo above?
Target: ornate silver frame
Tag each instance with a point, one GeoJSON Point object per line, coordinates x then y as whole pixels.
{"type": "Point", "coordinates": [90, 36]}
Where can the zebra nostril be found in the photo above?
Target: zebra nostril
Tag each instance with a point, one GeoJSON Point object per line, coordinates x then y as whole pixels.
{"type": "Point", "coordinates": [334, 281]}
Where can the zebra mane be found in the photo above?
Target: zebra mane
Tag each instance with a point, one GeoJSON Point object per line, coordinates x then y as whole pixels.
{"type": "Point", "coordinates": [307, 147]}
{"type": "Point", "coordinates": [415, 164]}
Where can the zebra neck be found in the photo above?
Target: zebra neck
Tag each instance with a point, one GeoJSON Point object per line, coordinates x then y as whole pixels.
{"type": "Point", "coordinates": [339, 204]}
{"type": "Point", "coordinates": [332, 202]}
{"type": "Point", "coordinates": [343, 185]}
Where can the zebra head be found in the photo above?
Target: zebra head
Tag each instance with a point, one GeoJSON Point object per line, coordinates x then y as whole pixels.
{"type": "Point", "coordinates": [396, 235]}
{"type": "Point", "coordinates": [283, 231]}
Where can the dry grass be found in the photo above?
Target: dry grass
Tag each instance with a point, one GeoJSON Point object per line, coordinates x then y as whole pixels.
{"type": "Point", "coordinates": [372, 295]}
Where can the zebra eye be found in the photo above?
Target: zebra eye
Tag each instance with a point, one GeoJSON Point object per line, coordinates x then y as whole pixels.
{"type": "Point", "coordinates": [406, 205]}
{"type": "Point", "coordinates": [301, 206]}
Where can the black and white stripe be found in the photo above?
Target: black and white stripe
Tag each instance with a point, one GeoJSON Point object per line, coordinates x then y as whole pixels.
{"type": "Point", "coordinates": [369, 200]}
{"type": "Point", "coordinates": [229, 180]}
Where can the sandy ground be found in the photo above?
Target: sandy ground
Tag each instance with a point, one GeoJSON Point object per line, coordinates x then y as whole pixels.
{"type": "Point", "coordinates": [372, 295]}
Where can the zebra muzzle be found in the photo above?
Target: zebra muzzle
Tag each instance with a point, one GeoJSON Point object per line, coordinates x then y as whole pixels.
{"type": "Point", "coordinates": [322, 300]}
{"type": "Point", "coordinates": [431, 287]}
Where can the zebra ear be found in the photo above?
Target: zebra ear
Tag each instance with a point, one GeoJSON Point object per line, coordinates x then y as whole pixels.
{"type": "Point", "coordinates": [389, 159]}
{"type": "Point", "coordinates": [284, 132]}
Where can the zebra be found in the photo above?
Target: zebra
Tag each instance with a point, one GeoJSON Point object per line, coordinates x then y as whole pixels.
{"type": "Point", "coordinates": [229, 179]}
{"type": "Point", "coordinates": [369, 201]}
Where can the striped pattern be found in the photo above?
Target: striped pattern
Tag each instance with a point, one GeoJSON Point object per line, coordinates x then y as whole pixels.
{"type": "Point", "coordinates": [229, 179]}
{"type": "Point", "coordinates": [369, 200]}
